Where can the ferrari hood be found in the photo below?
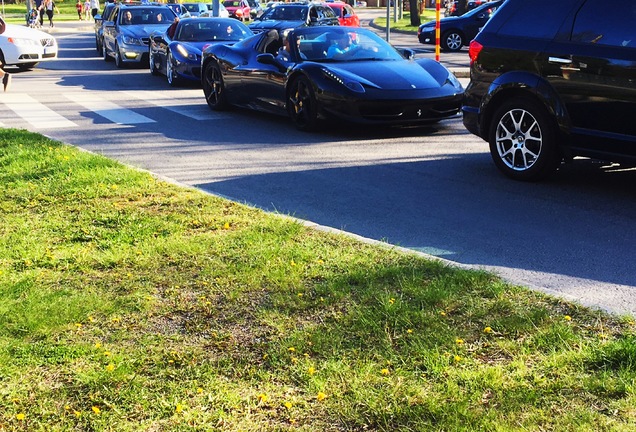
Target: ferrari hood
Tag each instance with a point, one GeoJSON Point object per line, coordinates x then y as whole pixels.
{"type": "Point", "coordinates": [392, 75]}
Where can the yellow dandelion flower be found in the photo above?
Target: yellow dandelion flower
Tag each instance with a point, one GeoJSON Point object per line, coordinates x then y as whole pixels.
{"type": "Point", "coordinates": [300, 294]}
{"type": "Point", "coordinates": [78, 325]}
{"type": "Point", "coordinates": [320, 261]}
{"type": "Point", "coordinates": [409, 331]}
{"type": "Point", "coordinates": [262, 398]}
{"type": "Point", "coordinates": [459, 341]}
{"type": "Point", "coordinates": [66, 407]}
{"type": "Point", "coordinates": [442, 313]}
{"type": "Point", "coordinates": [384, 371]}
{"type": "Point", "coordinates": [77, 413]}
{"type": "Point", "coordinates": [226, 225]}
{"type": "Point", "coordinates": [91, 319]}
{"type": "Point", "coordinates": [311, 370]}
{"type": "Point", "coordinates": [96, 410]}
{"type": "Point", "coordinates": [288, 405]}
{"type": "Point", "coordinates": [110, 367]}
{"type": "Point", "coordinates": [291, 349]}
{"type": "Point", "coordinates": [294, 360]}
{"type": "Point", "coordinates": [178, 408]}
{"type": "Point", "coordinates": [321, 396]}
{"type": "Point", "coordinates": [20, 416]}
{"type": "Point", "coordinates": [457, 359]}
{"type": "Point", "coordinates": [567, 318]}
{"type": "Point", "coordinates": [292, 263]}
{"type": "Point", "coordinates": [113, 187]}
{"type": "Point", "coordinates": [391, 300]}
{"type": "Point", "coordinates": [199, 390]}
{"type": "Point", "coordinates": [107, 354]}
{"type": "Point", "coordinates": [488, 330]}
{"type": "Point", "coordinates": [98, 345]}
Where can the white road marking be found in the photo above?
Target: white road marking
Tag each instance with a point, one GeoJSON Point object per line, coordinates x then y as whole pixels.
{"type": "Point", "coordinates": [188, 103]}
{"type": "Point", "coordinates": [37, 114]}
{"type": "Point", "coordinates": [95, 102]}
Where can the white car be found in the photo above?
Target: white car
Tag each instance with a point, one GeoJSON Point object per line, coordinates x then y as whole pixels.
{"type": "Point", "coordinates": [25, 47]}
{"type": "Point", "coordinates": [223, 13]}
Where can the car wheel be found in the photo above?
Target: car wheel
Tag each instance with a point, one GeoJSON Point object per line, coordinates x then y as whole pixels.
{"type": "Point", "coordinates": [98, 46]}
{"type": "Point", "coordinates": [118, 61]}
{"type": "Point", "coordinates": [107, 58]}
{"type": "Point", "coordinates": [152, 64]}
{"type": "Point", "coordinates": [522, 140]}
{"type": "Point", "coordinates": [171, 75]}
{"type": "Point", "coordinates": [301, 104]}
{"type": "Point", "coordinates": [214, 88]}
{"type": "Point", "coordinates": [452, 41]}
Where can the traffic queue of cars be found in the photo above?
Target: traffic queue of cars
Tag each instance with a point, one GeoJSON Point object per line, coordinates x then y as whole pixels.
{"type": "Point", "coordinates": [537, 85]}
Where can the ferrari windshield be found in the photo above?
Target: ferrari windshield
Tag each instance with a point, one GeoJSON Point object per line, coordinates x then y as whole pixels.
{"type": "Point", "coordinates": [199, 30]}
{"type": "Point", "coordinates": [285, 13]}
{"type": "Point", "coordinates": [342, 44]}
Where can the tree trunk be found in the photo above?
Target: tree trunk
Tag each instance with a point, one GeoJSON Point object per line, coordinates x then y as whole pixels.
{"type": "Point", "coordinates": [415, 16]}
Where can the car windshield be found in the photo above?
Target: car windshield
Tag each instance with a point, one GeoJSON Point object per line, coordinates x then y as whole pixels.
{"type": "Point", "coordinates": [192, 7]}
{"type": "Point", "coordinates": [198, 30]}
{"type": "Point", "coordinates": [285, 13]}
{"type": "Point", "coordinates": [145, 16]}
{"type": "Point", "coordinates": [342, 44]}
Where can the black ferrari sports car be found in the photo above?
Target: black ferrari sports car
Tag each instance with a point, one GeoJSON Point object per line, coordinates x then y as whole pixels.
{"type": "Point", "coordinates": [312, 73]}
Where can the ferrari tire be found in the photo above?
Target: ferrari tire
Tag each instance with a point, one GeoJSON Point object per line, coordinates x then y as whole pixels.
{"type": "Point", "coordinates": [301, 105]}
{"type": "Point", "coordinates": [523, 140]}
{"type": "Point", "coordinates": [214, 87]}
{"type": "Point", "coordinates": [171, 75]}
{"type": "Point", "coordinates": [452, 41]}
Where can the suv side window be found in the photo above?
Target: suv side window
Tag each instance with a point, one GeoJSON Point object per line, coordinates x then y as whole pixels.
{"type": "Point", "coordinates": [546, 17]}
{"type": "Point", "coordinates": [614, 27]}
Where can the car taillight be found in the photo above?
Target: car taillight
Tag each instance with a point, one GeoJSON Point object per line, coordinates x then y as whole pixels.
{"type": "Point", "coordinates": [473, 51]}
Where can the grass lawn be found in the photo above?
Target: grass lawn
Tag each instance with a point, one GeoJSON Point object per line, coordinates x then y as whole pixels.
{"type": "Point", "coordinates": [129, 304]}
{"type": "Point", "coordinates": [404, 24]}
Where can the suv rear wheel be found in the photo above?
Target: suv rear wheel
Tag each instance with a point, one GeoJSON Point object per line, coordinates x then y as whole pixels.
{"type": "Point", "coordinates": [522, 140]}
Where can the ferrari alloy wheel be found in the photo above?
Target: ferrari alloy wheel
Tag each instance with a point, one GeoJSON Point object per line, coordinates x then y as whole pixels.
{"type": "Point", "coordinates": [301, 105]}
{"type": "Point", "coordinates": [523, 140]}
{"type": "Point", "coordinates": [171, 75]}
{"type": "Point", "coordinates": [213, 87]}
{"type": "Point", "coordinates": [452, 41]}
{"type": "Point", "coordinates": [152, 64]}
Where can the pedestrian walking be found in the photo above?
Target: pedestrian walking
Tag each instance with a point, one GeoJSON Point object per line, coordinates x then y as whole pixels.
{"type": "Point", "coordinates": [94, 7]}
{"type": "Point", "coordinates": [39, 6]}
{"type": "Point", "coordinates": [80, 9]}
{"type": "Point", "coordinates": [5, 77]}
{"type": "Point", "coordinates": [87, 9]}
{"type": "Point", "coordinates": [50, 8]}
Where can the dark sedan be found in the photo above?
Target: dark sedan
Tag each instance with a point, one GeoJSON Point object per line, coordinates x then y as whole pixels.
{"type": "Point", "coordinates": [457, 31]}
{"type": "Point", "coordinates": [179, 57]}
{"type": "Point", "coordinates": [336, 72]}
{"type": "Point", "coordinates": [292, 15]}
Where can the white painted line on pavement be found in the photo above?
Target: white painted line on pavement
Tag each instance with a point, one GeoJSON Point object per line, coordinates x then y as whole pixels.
{"type": "Point", "coordinates": [94, 102]}
{"type": "Point", "coordinates": [37, 114]}
{"type": "Point", "coordinates": [193, 105]}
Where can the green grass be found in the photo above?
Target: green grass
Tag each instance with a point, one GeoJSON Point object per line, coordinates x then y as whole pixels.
{"type": "Point", "coordinates": [130, 304]}
{"type": "Point", "coordinates": [404, 24]}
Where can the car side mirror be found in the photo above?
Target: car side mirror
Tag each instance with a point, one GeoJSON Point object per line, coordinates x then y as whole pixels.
{"type": "Point", "coordinates": [408, 53]}
{"type": "Point", "coordinates": [109, 24]}
{"type": "Point", "coordinates": [266, 58]}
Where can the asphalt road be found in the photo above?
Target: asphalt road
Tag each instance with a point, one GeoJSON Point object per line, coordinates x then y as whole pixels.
{"type": "Point", "coordinates": [432, 190]}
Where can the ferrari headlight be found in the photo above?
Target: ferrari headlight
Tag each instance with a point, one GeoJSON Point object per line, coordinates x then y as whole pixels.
{"type": "Point", "coordinates": [129, 40]}
{"type": "Point", "coordinates": [350, 84]}
{"type": "Point", "coordinates": [184, 52]}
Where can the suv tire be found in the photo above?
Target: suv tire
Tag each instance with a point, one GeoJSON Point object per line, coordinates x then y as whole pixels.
{"type": "Point", "coordinates": [522, 140]}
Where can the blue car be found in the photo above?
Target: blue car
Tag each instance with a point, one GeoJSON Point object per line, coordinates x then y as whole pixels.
{"type": "Point", "coordinates": [125, 34]}
{"type": "Point", "coordinates": [176, 52]}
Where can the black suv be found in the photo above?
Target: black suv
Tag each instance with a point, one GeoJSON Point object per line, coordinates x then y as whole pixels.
{"type": "Point", "coordinates": [551, 80]}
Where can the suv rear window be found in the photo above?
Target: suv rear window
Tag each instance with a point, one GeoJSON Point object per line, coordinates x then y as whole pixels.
{"type": "Point", "coordinates": [546, 17]}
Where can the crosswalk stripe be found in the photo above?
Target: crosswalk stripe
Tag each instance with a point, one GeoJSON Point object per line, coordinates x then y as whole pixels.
{"type": "Point", "coordinates": [37, 114]}
{"type": "Point", "coordinates": [193, 105]}
{"type": "Point", "coordinates": [107, 109]}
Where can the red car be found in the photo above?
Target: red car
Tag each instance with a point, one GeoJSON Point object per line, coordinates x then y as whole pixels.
{"type": "Point", "coordinates": [239, 9]}
{"type": "Point", "coordinates": [345, 13]}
